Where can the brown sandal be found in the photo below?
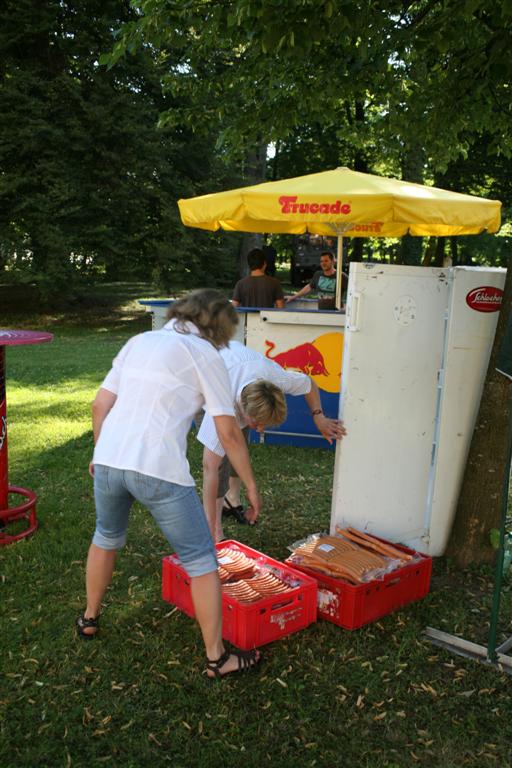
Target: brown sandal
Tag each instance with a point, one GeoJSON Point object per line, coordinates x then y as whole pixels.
{"type": "Point", "coordinates": [246, 660]}
{"type": "Point", "coordinates": [82, 624]}
{"type": "Point", "coordinates": [229, 510]}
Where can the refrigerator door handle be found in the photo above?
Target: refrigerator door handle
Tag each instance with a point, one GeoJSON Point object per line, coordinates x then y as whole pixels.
{"type": "Point", "coordinates": [354, 312]}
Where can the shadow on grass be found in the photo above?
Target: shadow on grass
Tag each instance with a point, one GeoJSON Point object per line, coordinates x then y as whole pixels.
{"type": "Point", "coordinates": [114, 304]}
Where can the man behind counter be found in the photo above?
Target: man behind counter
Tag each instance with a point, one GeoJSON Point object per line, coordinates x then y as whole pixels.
{"type": "Point", "coordinates": [258, 289]}
{"type": "Point", "coordinates": [323, 282]}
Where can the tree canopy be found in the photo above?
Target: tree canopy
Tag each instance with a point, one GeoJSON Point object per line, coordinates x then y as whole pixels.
{"type": "Point", "coordinates": [386, 87]}
{"type": "Point", "coordinates": [112, 111]}
{"type": "Point", "coordinates": [88, 182]}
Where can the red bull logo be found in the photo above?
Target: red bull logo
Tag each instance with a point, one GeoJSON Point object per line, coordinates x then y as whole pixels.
{"type": "Point", "coordinates": [305, 358]}
{"type": "Point", "coordinates": [321, 359]}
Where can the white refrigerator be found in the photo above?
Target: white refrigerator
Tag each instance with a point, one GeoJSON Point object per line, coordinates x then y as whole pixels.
{"type": "Point", "coordinates": [416, 349]}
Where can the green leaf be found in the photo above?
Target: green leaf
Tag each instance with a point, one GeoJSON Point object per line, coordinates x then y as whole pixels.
{"type": "Point", "coordinates": [495, 538]}
{"type": "Point", "coordinates": [470, 6]}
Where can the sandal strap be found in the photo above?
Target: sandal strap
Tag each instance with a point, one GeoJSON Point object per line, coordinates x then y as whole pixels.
{"type": "Point", "coordinates": [216, 665]}
{"type": "Point", "coordinates": [246, 659]}
{"type": "Point", "coordinates": [237, 512]}
{"type": "Point", "coordinates": [85, 623]}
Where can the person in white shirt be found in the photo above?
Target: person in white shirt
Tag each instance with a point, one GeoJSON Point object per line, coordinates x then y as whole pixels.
{"type": "Point", "coordinates": [258, 388]}
{"type": "Point", "coordinates": [141, 417]}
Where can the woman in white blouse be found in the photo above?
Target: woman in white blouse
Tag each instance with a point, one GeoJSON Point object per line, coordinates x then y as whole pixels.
{"type": "Point", "coordinates": [141, 417]}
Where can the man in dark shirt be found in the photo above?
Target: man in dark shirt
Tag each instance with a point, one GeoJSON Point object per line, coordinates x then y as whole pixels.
{"type": "Point", "coordinates": [258, 290]}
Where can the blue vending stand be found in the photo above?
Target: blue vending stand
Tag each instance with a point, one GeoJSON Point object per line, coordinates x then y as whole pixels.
{"type": "Point", "coordinates": [158, 310]}
{"type": "Point", "coordinates": [310, 341]}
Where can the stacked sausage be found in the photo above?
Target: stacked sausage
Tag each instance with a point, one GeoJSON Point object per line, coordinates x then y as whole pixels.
{"type": "Point", "coordinates": [352, 555]}
{"type": "Point", "coordinates": [244, 580]}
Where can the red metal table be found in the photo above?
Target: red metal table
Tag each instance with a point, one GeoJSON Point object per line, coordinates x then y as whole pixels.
{"type": "Point", "coordinates": [26, 510]}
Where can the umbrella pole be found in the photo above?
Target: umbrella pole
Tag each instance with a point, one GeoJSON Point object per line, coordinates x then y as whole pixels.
{"type": "Point", "coordinates": [339, 270]}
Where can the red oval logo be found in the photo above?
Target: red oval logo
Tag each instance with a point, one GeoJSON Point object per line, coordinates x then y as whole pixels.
{"type": "Point", "coordinates": [487, 298]}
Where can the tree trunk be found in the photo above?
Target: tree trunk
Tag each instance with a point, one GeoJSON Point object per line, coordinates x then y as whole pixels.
{"type": "Point", "coordinates": [429, 252]}
{"type": "Point", "coordinates": [255, 169]}
{"type": "Point", "coordinates": [361, 165]}
{"type": "Point", "coordinates": [439, 254]}
{"type": "Point", "coordinates": [410, 250]}
{"type": "Point", "coordinates": [412, 170]}
{"type": "Point", "coordinates": [454, 249]}
{"type": "Point", "coordinates": [111, 270]}
{"type": "Point", "coordinates": [356, 253]}
{"type": "Point", "coordinates": [465, 256]}
{"type": "Point", "coordinates": [479, 505]}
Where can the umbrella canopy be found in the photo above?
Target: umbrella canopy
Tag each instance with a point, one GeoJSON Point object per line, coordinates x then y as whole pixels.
{"type": "Point", "coordinates": [343, 202]}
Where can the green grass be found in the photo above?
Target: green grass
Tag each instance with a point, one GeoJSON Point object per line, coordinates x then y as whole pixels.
{"type": "Point", "coordinates": [379, 697]}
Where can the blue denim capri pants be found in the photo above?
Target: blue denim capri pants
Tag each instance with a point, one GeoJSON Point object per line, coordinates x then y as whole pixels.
{"type": "Point", "coordinates": [175, 508]}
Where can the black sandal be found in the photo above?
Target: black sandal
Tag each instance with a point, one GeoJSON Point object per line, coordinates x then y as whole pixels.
{"type": "Point", "coordinates": [82, 624]}
{"type": "Point", "coordinates": [237, 512]}
{"type": "Point", "coordinates": [246, 660]}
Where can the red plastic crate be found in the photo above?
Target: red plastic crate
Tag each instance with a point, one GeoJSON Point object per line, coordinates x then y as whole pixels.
{"type": "Point", "coordinates": [352, 606]}
{"type": "Point", "coordinates": [250, 625]}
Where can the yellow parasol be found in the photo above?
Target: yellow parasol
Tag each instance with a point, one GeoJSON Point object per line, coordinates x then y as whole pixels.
{"type": "Point", "coordinates": [343, 202]}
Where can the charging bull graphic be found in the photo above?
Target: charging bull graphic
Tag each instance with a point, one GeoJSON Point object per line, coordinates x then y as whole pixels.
{"type": "Point", "coordinates": [305, 358]}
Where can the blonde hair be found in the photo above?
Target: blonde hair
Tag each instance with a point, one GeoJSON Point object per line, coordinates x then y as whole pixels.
{"type": "Point", "coordinates": [264, 403]}
{"type": "Point", "coordinates": [210, 311]}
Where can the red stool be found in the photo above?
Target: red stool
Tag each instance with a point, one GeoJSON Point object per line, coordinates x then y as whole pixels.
{"type": "Point", "coordinates": [27, 509]}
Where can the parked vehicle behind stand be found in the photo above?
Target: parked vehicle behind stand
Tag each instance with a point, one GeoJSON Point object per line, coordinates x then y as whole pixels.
{"type": "Point", "coordinates": [305, 259]}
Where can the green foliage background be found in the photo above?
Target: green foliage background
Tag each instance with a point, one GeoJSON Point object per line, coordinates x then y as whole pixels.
{"type": "Point", "coordinates": [111, 111]}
